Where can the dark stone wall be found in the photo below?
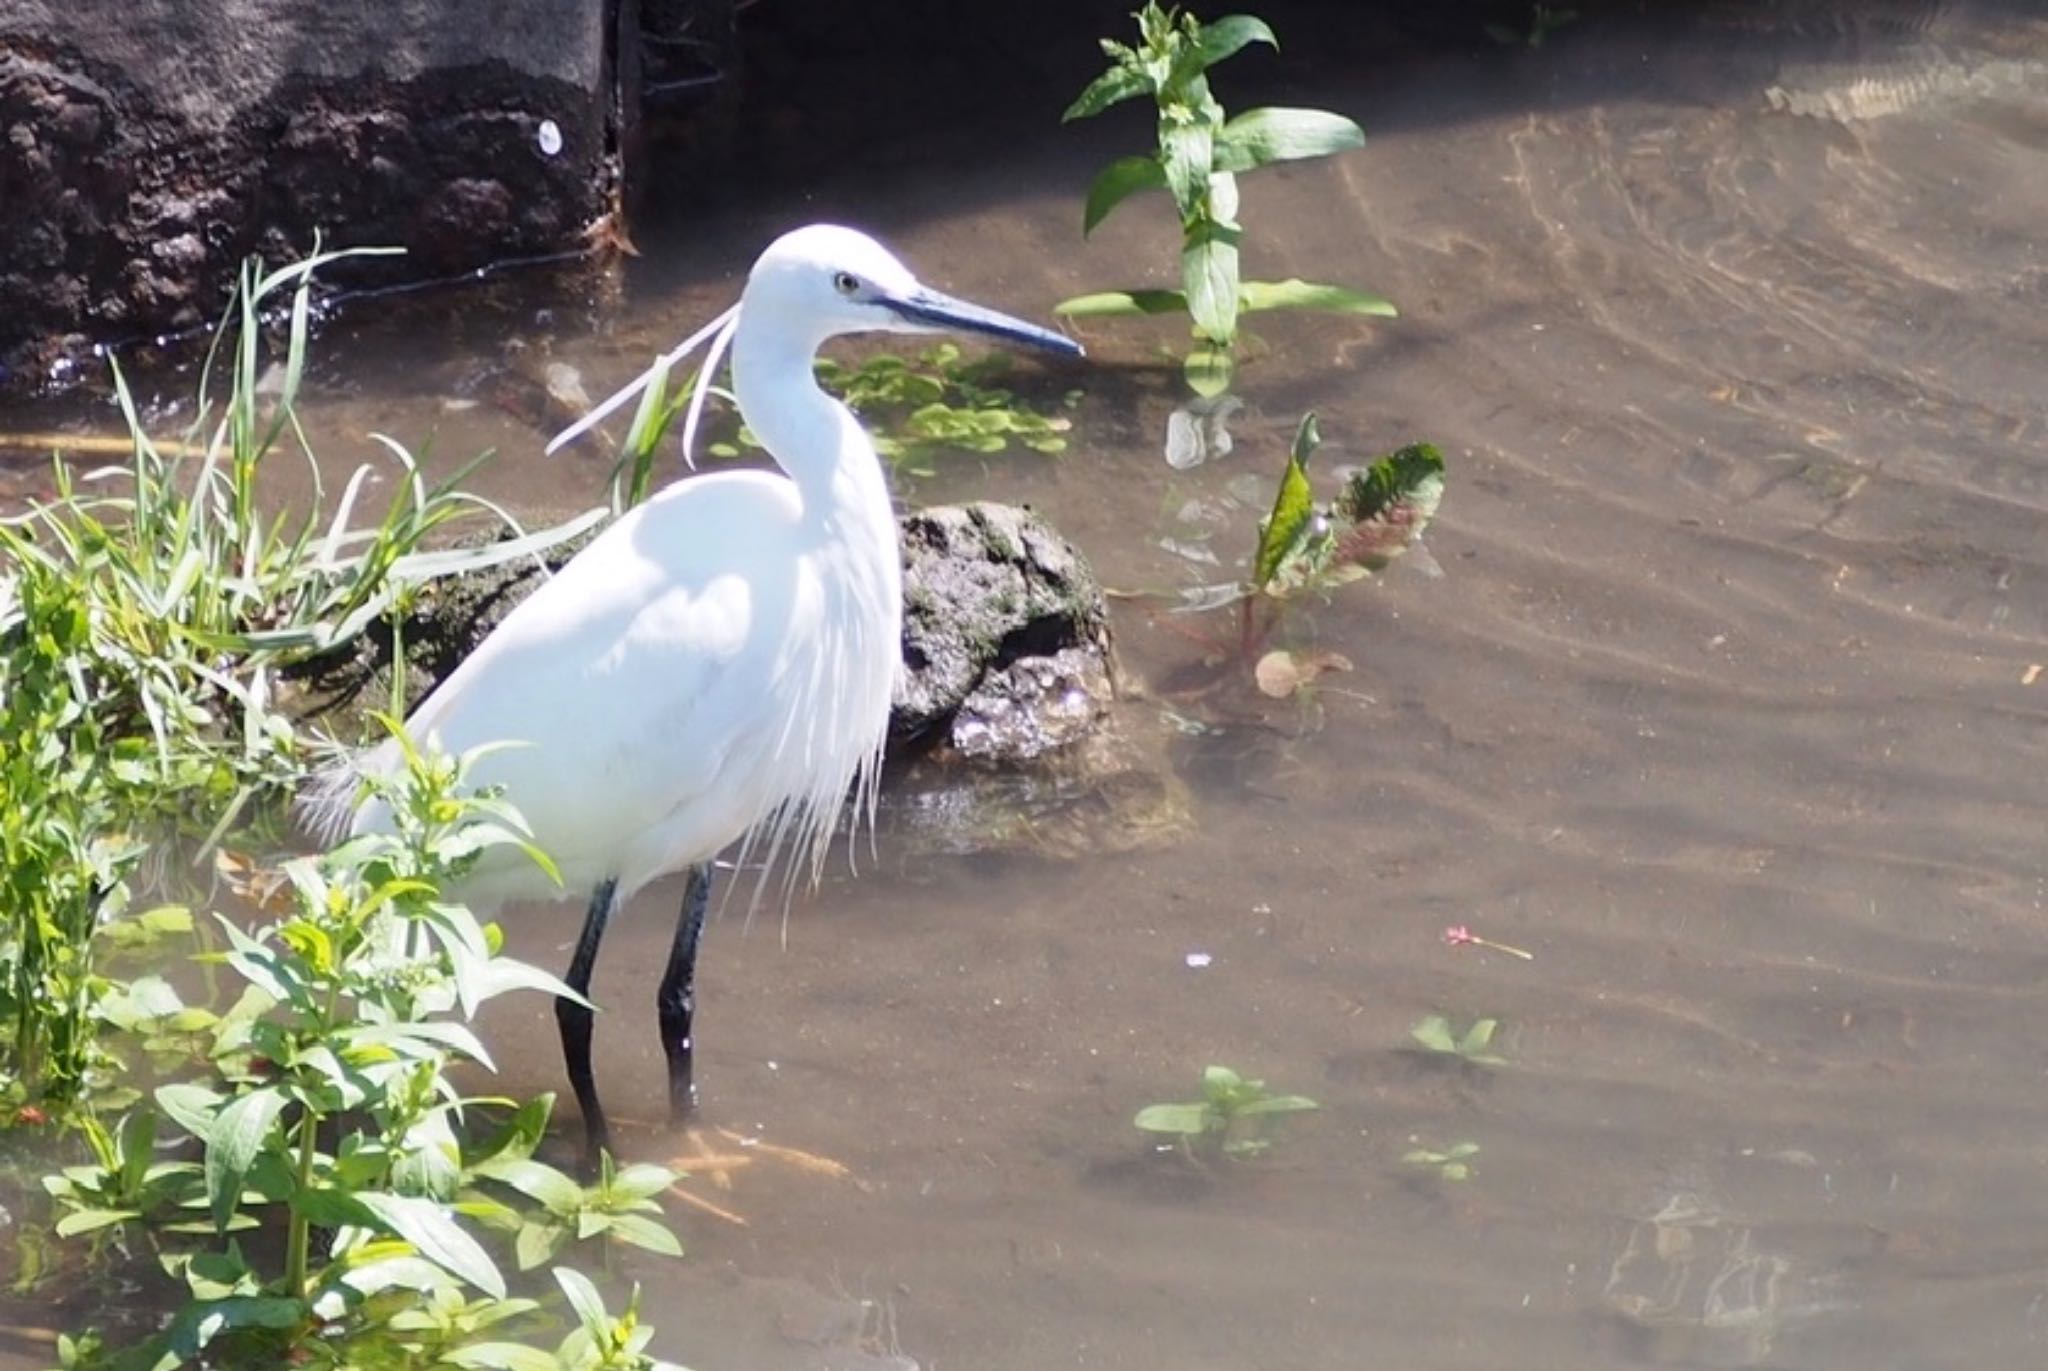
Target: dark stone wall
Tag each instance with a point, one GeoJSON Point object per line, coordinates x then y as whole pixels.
{"type": "Point", "coordinates": [147, 146]}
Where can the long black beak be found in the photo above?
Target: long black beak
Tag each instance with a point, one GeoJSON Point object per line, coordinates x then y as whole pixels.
{"type": "Point", "coordinates": [933, 309]}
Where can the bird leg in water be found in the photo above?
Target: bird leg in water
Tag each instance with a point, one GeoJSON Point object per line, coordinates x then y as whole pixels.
{"type": "Point", "coordinates": [677, 1000]}
{"type": "Point", "coordinates": [575, 1020]}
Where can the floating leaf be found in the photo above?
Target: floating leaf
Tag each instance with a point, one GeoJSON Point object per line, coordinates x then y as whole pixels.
{"type": "Point", "coordinates": [1281, 673]}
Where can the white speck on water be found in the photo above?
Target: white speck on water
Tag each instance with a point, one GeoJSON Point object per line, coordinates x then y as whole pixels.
{"type": "Point", "coordinates": [550, 138]}
{"type": "Point", "coordinates": [1198, 960]}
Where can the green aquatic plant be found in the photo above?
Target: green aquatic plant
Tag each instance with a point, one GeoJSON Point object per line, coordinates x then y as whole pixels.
{"type": "Point", "coordinates": [1199, 154]}
{"type": "Point", "coordinates": [331, 1119]}
{"type": "Point", "coordinates": [1223, 1118]}
{"type": "Point", "coordinates": [1434, 1033]}
{"type": "Point", "coordinates": [615, 1206]}
{"type": "Point", "coordinates": [144, 614]}
{"type": "Point", "coordinates": [1454, 1163]}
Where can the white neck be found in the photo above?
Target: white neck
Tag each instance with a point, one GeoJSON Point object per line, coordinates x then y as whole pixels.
{"type": "Point", "coordinates": [811, 436]}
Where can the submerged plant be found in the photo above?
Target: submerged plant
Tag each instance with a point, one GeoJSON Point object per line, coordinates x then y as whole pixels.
{"type": "Point", "coordinates": [1434, 1033]}
{"type": "Point", "coordinates": [1454, 1163]}
{"type": "Point", "coordinates": [1222, 1118]}
{"type": "Point", "coordinates": [1198, 157]}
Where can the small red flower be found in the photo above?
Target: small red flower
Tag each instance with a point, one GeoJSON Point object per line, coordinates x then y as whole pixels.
{"type": "Point", "coordinates": [31, 1116]}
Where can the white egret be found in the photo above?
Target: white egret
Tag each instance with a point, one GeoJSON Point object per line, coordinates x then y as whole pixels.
{"type": "Point", "coordinates": [718, 665]}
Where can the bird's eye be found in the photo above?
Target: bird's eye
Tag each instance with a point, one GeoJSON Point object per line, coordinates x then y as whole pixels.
{"type": "Point", "coordinates": [846, 283]}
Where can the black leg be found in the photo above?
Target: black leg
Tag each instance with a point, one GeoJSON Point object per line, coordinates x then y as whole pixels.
{"type": "Point", "coordinates": [677, 999]}
{"type": "Point", "coordinates": [574, 1021]}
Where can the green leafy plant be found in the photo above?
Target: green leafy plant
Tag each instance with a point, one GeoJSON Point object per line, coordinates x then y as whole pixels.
{"type": "Point", "coordinates": [1454, 1163]}
{"type": "Point", "coordinates": [1222, 1118]}
{"type": "Point", "coordinates": [331, 1116]}
{"type": "Point", "coordinates": [1199, 155]}
{"type": "Point", "coordinates": [615, 1206]}
{"type": "Point", "coordinates": [1310, 547]}
{"type": "Point", "coordinates": [140, 633]}
{"type": "Point", "coordinates": [1435, 1033]}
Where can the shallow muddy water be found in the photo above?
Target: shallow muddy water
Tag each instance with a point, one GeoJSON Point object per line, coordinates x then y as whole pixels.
{"type": "Point", "coordinates": [1726, 705]}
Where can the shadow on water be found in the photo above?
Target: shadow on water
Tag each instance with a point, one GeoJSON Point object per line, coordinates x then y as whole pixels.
{"type": "Point", "coordinates": [1726, 707]}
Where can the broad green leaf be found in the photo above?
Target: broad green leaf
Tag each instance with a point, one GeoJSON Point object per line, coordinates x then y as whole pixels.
{"type": "Point", "coordinates": [538, 1243]}
{"type": "Point", "coordinates": [1113, 87]}
{"type": "Point", "coordinates": [535, 1180]}
{"type": "Point", "coordinates": [1298, 294]}
{"type": "Point", "coordinates": [1224, 37]}
{"type": "Point", "coordinates": [1293, 508]}
{"type": "Point", "coordinates": [233, 1138]}
{"type": "Point", "coordinates": [1208, 270]}
{"type": "Point", "coordinates": [1184, 152]}
{"type": "Point", "coordinates": [430, 1228]}
{"type": "Point", "coordinates": [1479, 1035]}
{"type": "Point", "coordinates": [584, 1299]}
{"type": "Point", "coordinates": [642, 1231]}
{"type": "Point", "coordinates": [1259, 137]}
{"type": "Point", "coordinates": [1463, 1149]}
{"type": "Point", "coordinates": [90, 1220]}
{"type": "Point", "coordinates": [1186, 1119]}
{"type": "Point", "coordinates": [642, 1181]}
{"type": "Point", "coordinates": [1115, 302]}
{"type": "Point", "coordinates": [200, 1322]}
{"type": "Point", "coordinates": [1115, 182]}
{"type": "Point", "coordinates": [1434, 1033]}
{"type": "Point", "coordinates": [1456, 1171]}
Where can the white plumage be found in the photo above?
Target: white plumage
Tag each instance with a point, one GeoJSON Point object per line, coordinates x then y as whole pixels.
{"type": "Point", "coordinates": [719, 663]}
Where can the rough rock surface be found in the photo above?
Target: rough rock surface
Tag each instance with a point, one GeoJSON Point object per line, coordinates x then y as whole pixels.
{"type": "Point", "coordinates": [146, 148]}
{"type": "Point", "coordinates": [986, 587]}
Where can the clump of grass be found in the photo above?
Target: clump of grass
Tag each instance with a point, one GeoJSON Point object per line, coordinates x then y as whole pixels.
{"type": "Point", "coordinates": [145, 611]}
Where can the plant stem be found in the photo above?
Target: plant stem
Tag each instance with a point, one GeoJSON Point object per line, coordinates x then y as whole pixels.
{"type": "Point", "coordinates": [297, 1245]}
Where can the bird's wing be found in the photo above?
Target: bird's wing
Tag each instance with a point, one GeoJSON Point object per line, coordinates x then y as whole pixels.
{"type": "Point", "coordinates": [625, 682]}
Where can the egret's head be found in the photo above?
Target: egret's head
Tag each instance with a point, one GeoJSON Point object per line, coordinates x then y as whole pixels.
{"type": "Point", "coordinates": [825, 280]}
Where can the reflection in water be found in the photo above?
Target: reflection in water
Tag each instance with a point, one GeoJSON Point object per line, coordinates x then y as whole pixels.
{"type": "Point", "coordinates": [1730, 326]}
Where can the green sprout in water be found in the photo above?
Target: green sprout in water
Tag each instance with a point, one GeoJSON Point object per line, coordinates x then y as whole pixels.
{"type": "Point", "coordinates": [1452, 1164]}
{"type": "Point", "coordinates": [1436, 1035]}
{"type": "Point", "coordinates": [1199, 154]}
{"type": "Point", "coordinates": [1220, 1119]}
